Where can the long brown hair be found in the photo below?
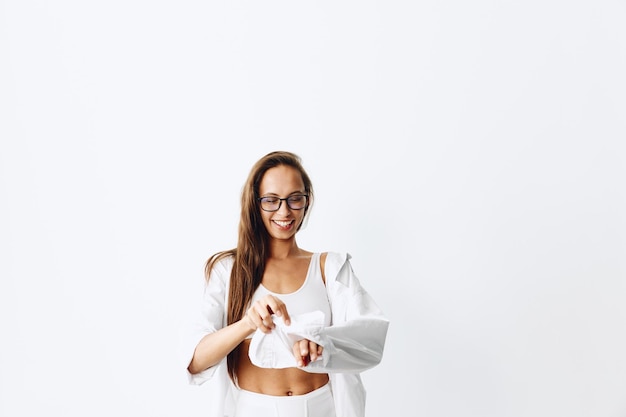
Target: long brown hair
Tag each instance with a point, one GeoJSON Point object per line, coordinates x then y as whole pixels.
{"type": "Point", "coordinates": [252, 244]}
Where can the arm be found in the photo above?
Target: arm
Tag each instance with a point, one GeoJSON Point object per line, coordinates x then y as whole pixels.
{"type": "Point", "coordinates": [214, 347]}
{"type": "Point", "coordinates": [201, 336]}
{"type": "Point", "coordinates": [209, 340]}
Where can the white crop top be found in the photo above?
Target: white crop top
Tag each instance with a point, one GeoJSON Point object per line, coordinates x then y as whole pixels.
{"type": "Point", "coordinates": [311, 296]}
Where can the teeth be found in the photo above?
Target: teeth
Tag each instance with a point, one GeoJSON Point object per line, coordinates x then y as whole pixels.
{"type": "Point", "coordinates": [282, 223]}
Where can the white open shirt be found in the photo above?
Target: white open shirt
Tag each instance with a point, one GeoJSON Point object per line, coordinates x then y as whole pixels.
{"type": "Point", "coordinates": [353, 343]}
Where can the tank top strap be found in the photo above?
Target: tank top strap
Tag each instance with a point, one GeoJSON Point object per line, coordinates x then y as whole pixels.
{"type": "Point", "coordinates": [315, 269]}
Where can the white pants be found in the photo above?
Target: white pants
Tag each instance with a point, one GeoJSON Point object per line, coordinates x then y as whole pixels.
{"type": "Point", "coordinates": [318, 403]}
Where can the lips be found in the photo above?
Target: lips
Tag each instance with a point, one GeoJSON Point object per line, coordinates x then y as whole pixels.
{"type": "Point", "coordinates": [283, 223]}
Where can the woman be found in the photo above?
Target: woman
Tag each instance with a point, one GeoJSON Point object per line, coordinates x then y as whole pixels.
{"type": "Point", "coordinates": [285, 331]}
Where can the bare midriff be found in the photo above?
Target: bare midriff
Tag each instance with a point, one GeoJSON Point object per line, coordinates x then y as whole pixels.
{"type": "Point", "coordinates": [287, 381]}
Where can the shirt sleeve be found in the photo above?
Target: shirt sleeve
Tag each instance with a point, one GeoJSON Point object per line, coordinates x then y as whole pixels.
{"type": "Point", "coordinates": [209, 318]}
{"type": "Point", "coordinates": [355, 340]}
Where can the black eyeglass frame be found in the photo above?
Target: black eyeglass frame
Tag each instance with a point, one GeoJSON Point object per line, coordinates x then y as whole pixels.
{"type": "Point", "coordinates": [280, 202]}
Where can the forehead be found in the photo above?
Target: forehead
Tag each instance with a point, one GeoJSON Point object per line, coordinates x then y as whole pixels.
{"type": "Point", "coordinates": [281, 180]}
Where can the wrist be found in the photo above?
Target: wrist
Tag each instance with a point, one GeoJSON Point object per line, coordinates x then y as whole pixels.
{"type": "Point", "coordinates": [247, 324]}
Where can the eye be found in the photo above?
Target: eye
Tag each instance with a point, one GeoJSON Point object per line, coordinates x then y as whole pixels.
{"type": "Point", "coordinates": [269, 200]}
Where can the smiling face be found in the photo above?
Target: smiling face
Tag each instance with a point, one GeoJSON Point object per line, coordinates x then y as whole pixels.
{"type": "Point", "coordinates": [282, 181]}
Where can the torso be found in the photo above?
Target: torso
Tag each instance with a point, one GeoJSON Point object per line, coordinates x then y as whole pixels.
{"type": "Point", "coordinates": [287, 381]}
{"type": "Point", "coordinates": [286, 279]}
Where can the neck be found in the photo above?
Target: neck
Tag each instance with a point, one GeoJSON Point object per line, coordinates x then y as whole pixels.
{"type": "Point", "coordinates": [282, 249]}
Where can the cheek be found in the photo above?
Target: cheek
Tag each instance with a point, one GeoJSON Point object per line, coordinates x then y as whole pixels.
{"type": "Point", "coordinates": [265, 217]}
{"type": "Point", "coordinates": [300, 219]}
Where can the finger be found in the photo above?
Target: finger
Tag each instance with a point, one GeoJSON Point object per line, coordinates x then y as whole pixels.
{"type": "Point", "coordinates": [261, 319]}
{"type": "Point", "coordinates": [279, 308]}
{"type": "Point", "coordinates": [304, 347]}
{"type": "Point", "coordinates": [296, 354]}
{"type": "Point", "coordinates": [263, 312]}
{"type": "Point", "coordinates": [264, 327]}
{"type": "Point", "coordinates": [286, 317]}
{"type": "Point", "coordinates": [313, 350]}
{"type": "Point", "coordinates": [305, 352]}
{"type": "Point", "coordinates": [301, 352]}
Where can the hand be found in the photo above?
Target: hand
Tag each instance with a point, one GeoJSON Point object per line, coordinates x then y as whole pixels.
{"type": "Point", "coordinates": [259, 315]}
{"type": "Point", "coordinates": [306, 351]}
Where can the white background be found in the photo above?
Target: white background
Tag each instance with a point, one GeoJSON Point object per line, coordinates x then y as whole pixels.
{"type": "Point", "coordinates": [471, 156]}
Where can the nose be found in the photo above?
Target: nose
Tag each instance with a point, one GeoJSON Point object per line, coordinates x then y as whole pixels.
{"type": "Point", "coordinates": [284, 208]}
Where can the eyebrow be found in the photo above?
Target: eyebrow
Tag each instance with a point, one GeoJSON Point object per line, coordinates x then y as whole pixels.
{"type": "Point", "coordinates": [299, 192]}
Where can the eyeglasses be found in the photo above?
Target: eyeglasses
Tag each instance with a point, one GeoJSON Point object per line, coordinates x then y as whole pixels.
{"type": "Point", "coordinates": [294, 202]}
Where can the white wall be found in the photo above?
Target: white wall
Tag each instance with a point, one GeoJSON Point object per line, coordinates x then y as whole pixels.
{"type": "Point", "coordinates": [470, 155]}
